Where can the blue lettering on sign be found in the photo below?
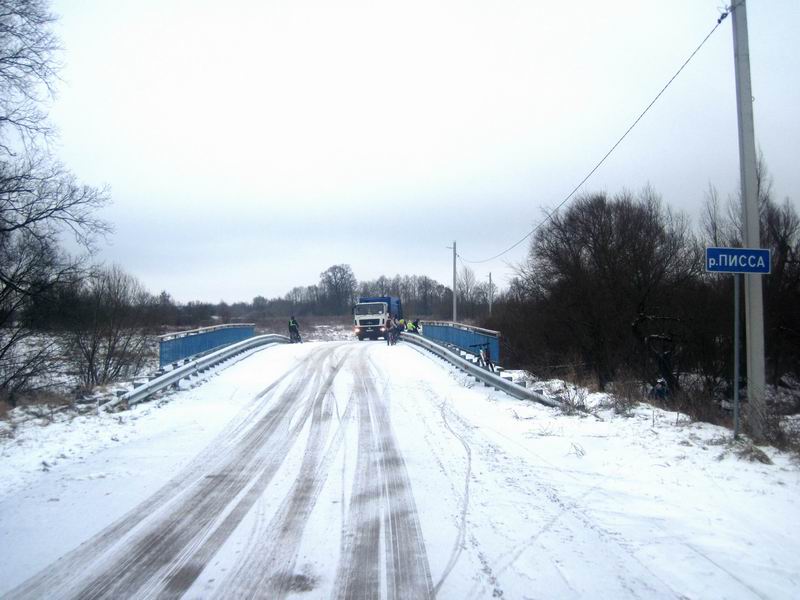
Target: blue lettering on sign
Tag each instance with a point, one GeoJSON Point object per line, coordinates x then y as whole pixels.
{"type": "Point", "coordinates": [738, 260]}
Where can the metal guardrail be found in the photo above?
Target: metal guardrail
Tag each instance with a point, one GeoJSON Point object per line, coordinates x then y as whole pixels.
{"type": "Point", "coordinates": [190, 368]}
{"type": "Point", "coordinates": [185, 332]}
{"type": "Point", "coordinates": [463, 326]}
{"type": "Point", "coordinates": [193, 367]}
{"type": "Point", "coordinates": [487, 377]}
{"type": "Point", "coordinates": [179, 345]}
{"type": "Point", "coordinates": [468, 338]}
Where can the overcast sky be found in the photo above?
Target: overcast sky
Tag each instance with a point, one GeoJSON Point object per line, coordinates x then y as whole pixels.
{"type": "Point", "coordinates": [250, 145]}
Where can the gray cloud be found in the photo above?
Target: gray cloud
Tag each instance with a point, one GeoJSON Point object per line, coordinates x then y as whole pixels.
{"type": "Point", "coordinates": [250, 145]}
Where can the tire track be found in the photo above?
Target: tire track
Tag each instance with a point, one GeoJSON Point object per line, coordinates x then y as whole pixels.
{"type": "Point", "coordinates": [133, 555]}
{"type": "Point", "coordinates": [458, 545]}
{"type": "Point", "coordinates": [151, 558]}
{"type": "Point", "coordinates": [187, 572]}
{"type": "Point", "coordinates": [388, 512]}
{"type": "Point", "coordinates": [439, 449]}
{"type": "Point", "coordinates": [359, 570]}
{"type": "Point", "coordinates": [161, 548]}
{"type": "Point", "coordinates": [268, 570]}
{"type": "Point", "coordinates": [83, 557]}
{"type": "Point", "coordinates": [567, 512]}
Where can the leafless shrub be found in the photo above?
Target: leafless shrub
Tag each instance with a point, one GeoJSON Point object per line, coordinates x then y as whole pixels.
{"type": "Point", "coordinates": [753, 453]}
{"type": "Point", "coordinates": [546, 431]}
{"type": "Point", "coordinates": [700, 405]}
{"type": "Point", "coordinates": [573, 400]}
{"type": "Point", "coordinates": [26, 361]}
{"type": "Point", "coordinates": [575, 373]}
{"type": "Point", "coordinates": [742, 448]}
{"type": "Point", "coordinates": [783, 433]}
{"type": "Point", "coordinates": [626, 394]}
{"type": "Point", "coordinates": [107, 338]}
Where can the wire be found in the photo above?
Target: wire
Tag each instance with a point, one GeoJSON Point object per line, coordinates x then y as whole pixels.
{"type": "Point", "coordinates": [614, 147]}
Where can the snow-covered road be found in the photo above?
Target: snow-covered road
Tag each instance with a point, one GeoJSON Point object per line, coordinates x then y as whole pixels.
{"type": "Point", "coordinates": [358, 470]}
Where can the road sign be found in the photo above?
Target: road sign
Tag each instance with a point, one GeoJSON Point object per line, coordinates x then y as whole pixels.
{"type": "Point", "coordinates": [738, 260]}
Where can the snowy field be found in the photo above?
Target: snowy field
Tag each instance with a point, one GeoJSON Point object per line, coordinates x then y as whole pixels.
{"type": "Point", "coordinates": [333, 468]}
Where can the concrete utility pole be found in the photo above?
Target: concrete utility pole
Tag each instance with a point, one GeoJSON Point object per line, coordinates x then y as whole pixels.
{"type": "Point", "coordinates": [490, 293]}
{"type": "Point", "coordinates": [753, 300]}
{"type": "Point", "coordinates": [455, 312]}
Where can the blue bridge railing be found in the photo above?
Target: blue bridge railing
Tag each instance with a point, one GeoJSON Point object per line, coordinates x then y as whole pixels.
{"type": "Point", "coordinates": [183, 344]}
{"type": "Point", "coordinates": [465, 337]}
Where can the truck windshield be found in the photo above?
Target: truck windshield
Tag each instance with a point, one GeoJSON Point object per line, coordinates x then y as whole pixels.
{"type": "Point", "coordinates": [374, 308]}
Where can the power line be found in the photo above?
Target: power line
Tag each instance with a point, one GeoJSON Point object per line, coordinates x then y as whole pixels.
{"type": "Point", "coordinates": [721, 18]}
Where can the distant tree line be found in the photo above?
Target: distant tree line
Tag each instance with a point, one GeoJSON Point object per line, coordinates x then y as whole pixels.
{"type": "Point", "coordinates": [333, 296]}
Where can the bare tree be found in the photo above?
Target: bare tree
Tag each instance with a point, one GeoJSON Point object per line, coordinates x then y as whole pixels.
{"type": "Point", "coordinates": [39, 199]}
{"type": "Point", "coordinates": [27, 69]}
{"type": "Point", "coordinates": [467, 287]}
{"type": "Point", "coordinates": [780, 232]}
{"type": "Point", "coordinates": [107, 339]}
{"type": "Point", "coordinates": [597, 266]}
{"type": "Point", "coordinates": [427, 294]}
{"type": "Point", "coordinates": [38, 202]}
{"type": "Point", "coordinates": [43, 200]}
{"type": "Point", "coordinates": [339, 285]}
{"type": "Point", "coordinates": [716, 228]}
{"type": "Point", "coordinates": [780, 225]}
{"type": "Point", "coordinates": [28, 267]}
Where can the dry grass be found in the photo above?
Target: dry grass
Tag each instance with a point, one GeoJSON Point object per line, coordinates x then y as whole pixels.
{"type": "Point", "coordinates": [45, 398]}
{"type": "Point", "coordinates": [700, 406]}
{"type": "Point", "coordinates": [573, 400]}
{"type": "Point", "coordinates": [783, 433]}
{"type": "Point", "coordinates": [40, 404]}
{"type": "Point", "coordinates": [626, 394]}
{"type": "Point", "coordinates": [581, 378]}
{"type": "Point", "coordinates": [5, 408]}
{"type": "Point", "coordinates": [753, 453]}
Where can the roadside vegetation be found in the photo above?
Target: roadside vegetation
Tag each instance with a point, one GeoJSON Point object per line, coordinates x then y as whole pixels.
{"type": "Point", "coordinates": [613, 294]}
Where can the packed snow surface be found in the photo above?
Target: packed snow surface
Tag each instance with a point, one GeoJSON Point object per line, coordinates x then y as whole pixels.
{"type": "Point", "coordinates": [342, 469]}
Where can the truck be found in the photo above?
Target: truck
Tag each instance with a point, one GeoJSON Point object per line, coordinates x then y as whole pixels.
{"type": "Point", "coordinates": [371, 314]}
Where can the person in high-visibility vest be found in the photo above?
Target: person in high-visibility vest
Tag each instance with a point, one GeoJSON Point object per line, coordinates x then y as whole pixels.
{"type": "Point", "coordinates": [401, 327]}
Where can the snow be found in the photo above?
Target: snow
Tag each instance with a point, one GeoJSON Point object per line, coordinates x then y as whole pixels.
{"type": "Point", "coordinates": [514, 499]}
